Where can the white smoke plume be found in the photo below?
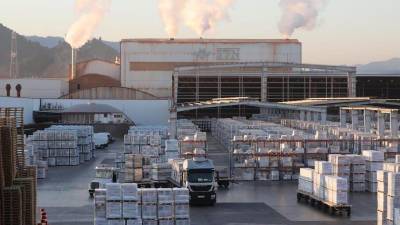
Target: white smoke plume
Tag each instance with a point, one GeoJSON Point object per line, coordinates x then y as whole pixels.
{"type": "Point", "coordinates": [203, 15]}
{"type": "Point", "coordinates": [91, 13]}
{"type": "Point", "coordinates": [199, 15]}
{"type": "Point", "coordinates": [170, 11]}
{"type": "Point", "coordinates": [299, 14]}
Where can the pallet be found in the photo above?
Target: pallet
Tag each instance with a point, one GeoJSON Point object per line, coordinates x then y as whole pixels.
{"type": "Point", "coordinates": [8, 154]}
{"type": "Point", "coordinates": [333, 209]}
{"type": "Point", "coordinates": [12, 198]}
{"type": "Point", "coordinates": [29, 192]}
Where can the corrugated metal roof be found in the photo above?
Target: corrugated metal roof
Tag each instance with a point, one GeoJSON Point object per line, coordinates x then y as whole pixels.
{"type": "Point", "coordinates": [91, 108]}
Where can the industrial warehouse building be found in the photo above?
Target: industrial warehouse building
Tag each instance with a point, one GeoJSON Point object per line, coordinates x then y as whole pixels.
{"type": "Point", "coordinates": [148, 64]}
{"type": "Point", "coordinates": [198, 70]}
{"type": "Point", "coordinates": [195, 70]}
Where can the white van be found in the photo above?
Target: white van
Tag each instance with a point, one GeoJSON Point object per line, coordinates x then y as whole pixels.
{"type": "Point", "coordinates": [101, 140]}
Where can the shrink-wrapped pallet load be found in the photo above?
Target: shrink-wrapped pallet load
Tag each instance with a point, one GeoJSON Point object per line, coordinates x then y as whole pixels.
{"type": "Point", "coordinates": [374, 162]}
{"type": "Point", "coordinates": [306, 180]}
{"type": "Point", "coordinates": [336, 189]}
{"type": "Point", "coordinates": [113, 192]}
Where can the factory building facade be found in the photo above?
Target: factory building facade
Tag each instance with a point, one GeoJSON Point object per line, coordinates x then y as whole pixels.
{"type": "Point", "coordinates": [195, 70]}
{"type": "Point", "coordinates": [148, 64]}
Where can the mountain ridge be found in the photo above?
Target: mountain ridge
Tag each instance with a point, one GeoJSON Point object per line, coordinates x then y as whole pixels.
{"type": "Point", "coordinates": [49, 56]}
{"type": "Point", "coordinates": [51, 60]}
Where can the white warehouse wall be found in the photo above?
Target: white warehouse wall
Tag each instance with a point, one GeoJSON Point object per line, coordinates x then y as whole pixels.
{"type": "Point", "coordinates": [35, 87]}
{"type": "Point", "coordinates": [142, 112]}
{"type": "Point", "coordinates": [161, 52]}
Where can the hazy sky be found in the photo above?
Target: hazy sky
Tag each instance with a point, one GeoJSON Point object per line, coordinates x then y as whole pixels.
{"type": "Point", "coordinates": [349, 31]}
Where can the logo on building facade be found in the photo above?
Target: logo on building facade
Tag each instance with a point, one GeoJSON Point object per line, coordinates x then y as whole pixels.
{"type": "Point", "coordinates": [202, 55]}
{"type": "Point", "coordinates": [228, 54]}
{"type": "Point", "coordinates": [221, 54]}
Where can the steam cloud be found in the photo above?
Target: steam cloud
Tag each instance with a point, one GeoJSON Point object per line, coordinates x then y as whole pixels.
{"type": "Point", "coordinates": [199, 15]}
{"type": "Point", "coordinates": [170, 11]}
{"type": "Point", "coordinates": [299, 14]}
{"type": "Point", "coordinates": [91, 13]}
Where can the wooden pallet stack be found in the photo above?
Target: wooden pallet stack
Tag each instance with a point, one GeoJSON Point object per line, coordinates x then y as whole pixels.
{"type": "Point", "coordinates": [17, 181]}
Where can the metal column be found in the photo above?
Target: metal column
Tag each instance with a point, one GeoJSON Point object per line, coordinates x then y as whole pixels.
{"type": "Point", "coordinates": [354, 119]}
{"type": "Point", "coordinates": [367, 120]}
{"type": "Point", "coordinates": [394, 124]}
{"type": "Point", "coordinates": [381, 124]}
{"type": "Point", "coordinates": [343, 115]}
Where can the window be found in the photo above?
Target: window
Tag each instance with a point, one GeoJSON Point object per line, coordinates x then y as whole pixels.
{"type": "Point", "coordinates": [79, 86]}
{"type": "Point", "coordinates": [117, 116]}
{"type": "Point", "coordinates": [105, 115]}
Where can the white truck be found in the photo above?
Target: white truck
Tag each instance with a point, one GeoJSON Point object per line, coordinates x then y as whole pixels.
{"type": "Point", "coordinates": [198, 175]}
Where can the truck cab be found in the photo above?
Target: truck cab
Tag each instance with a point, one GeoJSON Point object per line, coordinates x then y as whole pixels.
{"type": "Point", "coordinates": [199, 177]}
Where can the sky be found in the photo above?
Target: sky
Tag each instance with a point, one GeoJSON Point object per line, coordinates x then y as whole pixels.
{"type": "Point", "coordinates": [349, 32]}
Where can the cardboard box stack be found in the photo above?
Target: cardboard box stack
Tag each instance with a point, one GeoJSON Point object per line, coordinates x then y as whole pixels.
{"type": "Point", "coordinates": [133, 168]}
{"type": "Point", "coordinates": [374, 162]}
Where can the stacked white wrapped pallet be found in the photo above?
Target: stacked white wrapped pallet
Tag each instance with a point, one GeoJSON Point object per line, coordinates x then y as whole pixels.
{"type": "Point", "coordinates": [85, 141]}
{"type": "Point", "coordinates": [393, 196]}
{"type": "Point", "coordinates": [161, 171]}
{"type": "Point", "coordinates": [149, 205]}
{"type": "Point", "coordinates": [340, 165]}
{"type": "Point", "coordinates": [130, 212]}
{"type": "Point", "coordinates": [306, 180]}
{"type": "Point", "coordinates": [357, 173]}
{"type": "Point", "coordinates": [117, 204]}
{"type": "Point", "coordinates": [181, 206]}
{"type": "Point", "coordinates": [146, 140]}
{"type": "Point", "coordinates": [336, 189]}
{"type": "Point", "coordinates": [114, 203]}
{"type": "Point", "coordinates": [321, 170]}
{"type": "Point", "coordinates": [191, 139]}
{"type": "Point", "coordinates": [171, 149]}
{"type": "Point", "coordinates": [382, 177]}
{"type": "Point", "coordinates": [100, 207]}
{"type": "Point", "coordinates": [374, 162]}
{"type": "Point", "coordinates": [165, 206]}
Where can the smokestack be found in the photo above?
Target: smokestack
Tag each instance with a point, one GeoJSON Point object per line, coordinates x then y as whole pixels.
{"type": "Point", "coordinates": [73, 62]}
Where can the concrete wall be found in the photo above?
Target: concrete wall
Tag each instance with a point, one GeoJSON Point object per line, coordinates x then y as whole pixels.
{"type": "Point", "coordinates": [36, 88]}
{"type": "Point", "coordinates": [148, 64]}
{"type": "Point", "coordinates": [142, 112]}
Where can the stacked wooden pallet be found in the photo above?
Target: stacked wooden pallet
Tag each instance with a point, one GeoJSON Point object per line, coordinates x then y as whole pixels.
{"type": "Point", "coordinates": [14, 117]}
{"type": "Point", "coordinates": [17, 181]}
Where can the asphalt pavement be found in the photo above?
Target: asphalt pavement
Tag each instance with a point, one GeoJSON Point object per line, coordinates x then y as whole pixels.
{"type": "Point", "coordinates": [65, 197]}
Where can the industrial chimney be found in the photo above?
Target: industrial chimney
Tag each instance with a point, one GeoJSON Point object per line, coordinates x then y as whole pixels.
{"type": "Point", "coordinates": [73, 63]}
